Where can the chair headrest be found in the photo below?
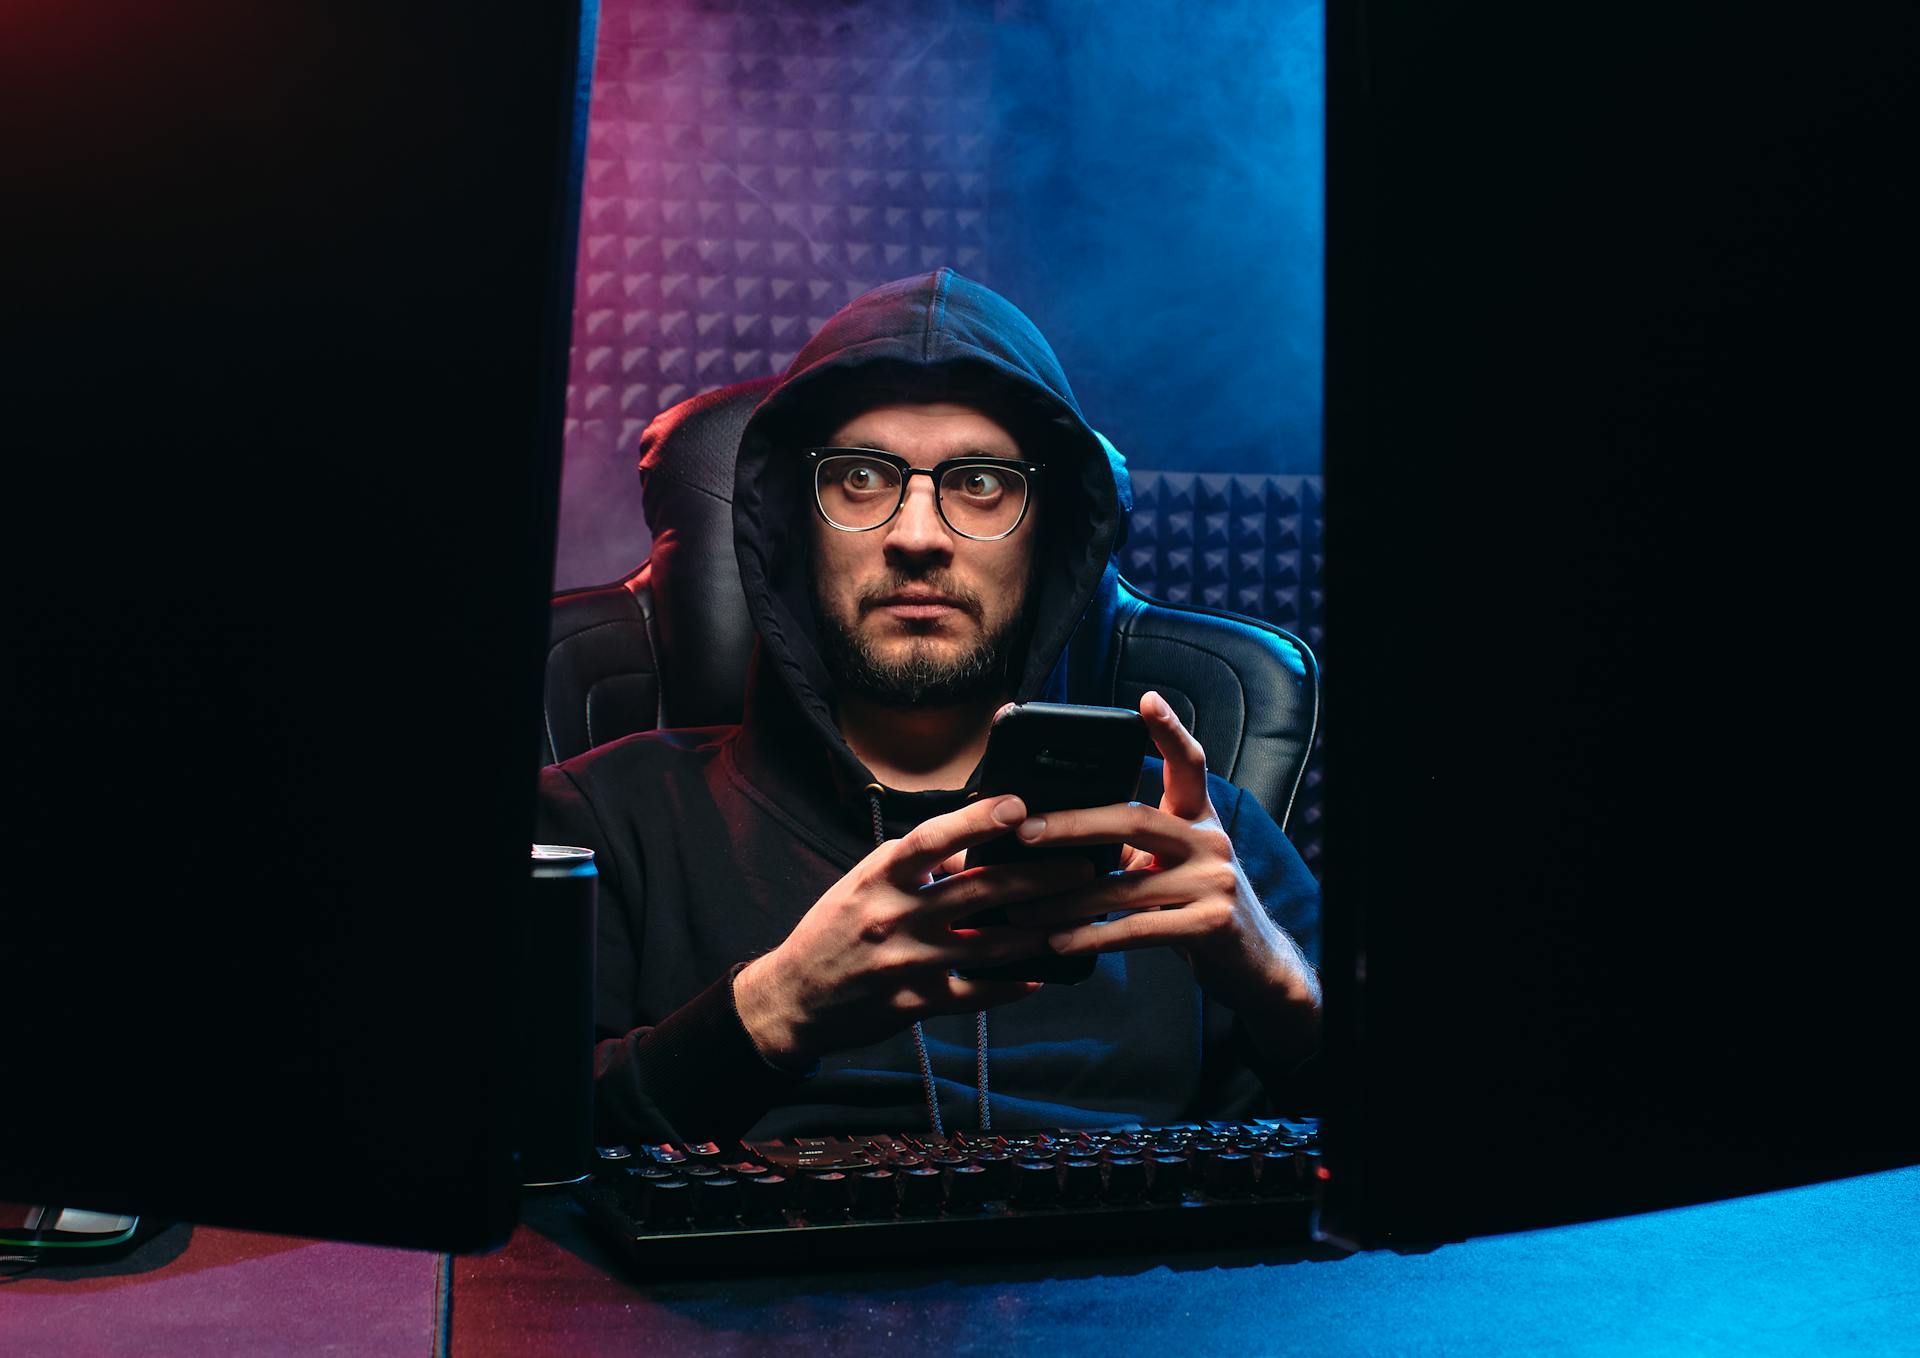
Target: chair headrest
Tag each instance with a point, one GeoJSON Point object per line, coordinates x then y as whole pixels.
{"type": "Point", "coordinates": [700, 617]}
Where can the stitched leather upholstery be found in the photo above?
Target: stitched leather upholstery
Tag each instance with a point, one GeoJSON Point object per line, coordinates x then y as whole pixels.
{"type": "Point", "coordinates": [669, 645]}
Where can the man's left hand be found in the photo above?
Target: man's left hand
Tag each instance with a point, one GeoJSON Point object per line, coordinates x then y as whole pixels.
{"type": "Point", "coordinates": [1181, 886]}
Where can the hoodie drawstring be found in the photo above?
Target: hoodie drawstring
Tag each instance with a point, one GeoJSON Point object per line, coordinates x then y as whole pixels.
{"type": "Point", "coordinates": [919, 1034]}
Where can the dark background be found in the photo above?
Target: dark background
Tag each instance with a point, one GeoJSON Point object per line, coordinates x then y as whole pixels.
{"type": "Point", "coordinates": [1144, 180]}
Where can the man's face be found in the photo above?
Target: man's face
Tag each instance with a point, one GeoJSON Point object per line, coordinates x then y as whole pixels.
{"type": "Point", "coordinates": [913, 613]}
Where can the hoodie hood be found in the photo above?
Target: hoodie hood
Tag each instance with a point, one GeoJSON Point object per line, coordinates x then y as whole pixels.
{"type": "Point", "coordinates": [935, 337]}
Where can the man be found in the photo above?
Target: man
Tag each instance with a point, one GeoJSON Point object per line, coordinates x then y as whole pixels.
{"type": "Point", "coordinates": [922, 517]}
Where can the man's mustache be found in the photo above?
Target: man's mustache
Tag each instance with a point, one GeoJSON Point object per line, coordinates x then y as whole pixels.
{"type": "Point", "coordinates": [936, 582]}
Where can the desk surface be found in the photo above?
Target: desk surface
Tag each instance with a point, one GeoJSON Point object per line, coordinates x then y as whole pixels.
{"type": "Point", "coordinates": [1830, 1267]}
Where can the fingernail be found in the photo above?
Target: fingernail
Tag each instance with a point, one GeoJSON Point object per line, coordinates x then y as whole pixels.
{"type": "Point", "coordinates": [1160, 708]}
{"type": "Point", "coordinates": [1032, 827]}
{"type": "Point", "coordinates": [1058, 942]}
{"type": "Point", "coordinates": [1009, 811]}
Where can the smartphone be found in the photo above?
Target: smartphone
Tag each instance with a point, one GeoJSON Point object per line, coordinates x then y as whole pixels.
{"type": "Point", "coordinates": [1056, 757]}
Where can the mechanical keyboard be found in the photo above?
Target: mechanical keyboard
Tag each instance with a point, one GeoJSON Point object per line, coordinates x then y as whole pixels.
{"type": "Point", "coordinates": [810, 1200]}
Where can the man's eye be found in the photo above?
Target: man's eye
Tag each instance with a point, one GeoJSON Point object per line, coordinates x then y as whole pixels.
{"type": "Point", "coordinates": [861, 480]}
{"type": "Point", "coordinates": [980, 485]}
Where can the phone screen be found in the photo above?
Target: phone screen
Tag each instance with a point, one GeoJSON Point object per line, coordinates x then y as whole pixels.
{"type": "Point", "coordinates": [1057, 757]}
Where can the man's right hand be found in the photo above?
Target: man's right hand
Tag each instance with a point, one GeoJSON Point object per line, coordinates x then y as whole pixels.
{"type": "Point", "coordinates": [873, 955]}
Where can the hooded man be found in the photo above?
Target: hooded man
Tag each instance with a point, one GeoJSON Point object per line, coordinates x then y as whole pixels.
{"type": "Point", "coordinates": [922, 518]}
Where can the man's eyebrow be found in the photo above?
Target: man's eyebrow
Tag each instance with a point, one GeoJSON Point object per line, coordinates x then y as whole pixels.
{"type": "Point", "coordinates": [998, 453]}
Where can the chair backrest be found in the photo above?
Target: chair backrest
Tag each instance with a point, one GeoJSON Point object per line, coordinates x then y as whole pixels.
{"type": "Point", "coordinates": [668, 645]}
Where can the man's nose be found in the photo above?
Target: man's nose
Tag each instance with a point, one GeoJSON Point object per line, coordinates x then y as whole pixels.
{"type": "Point", "coordinates": [918, 530]}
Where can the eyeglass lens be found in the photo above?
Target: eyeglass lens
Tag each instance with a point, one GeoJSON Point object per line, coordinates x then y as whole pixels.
{"type": "Point", "coordinates": [978, 501]}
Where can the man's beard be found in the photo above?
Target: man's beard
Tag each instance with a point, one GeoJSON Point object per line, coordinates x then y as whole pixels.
{"type": "Point", "coordinates": [926, 673]}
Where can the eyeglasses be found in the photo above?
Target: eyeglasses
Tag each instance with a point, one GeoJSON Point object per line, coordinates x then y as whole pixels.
{"type": "Point", "coordinates": [859, 489]}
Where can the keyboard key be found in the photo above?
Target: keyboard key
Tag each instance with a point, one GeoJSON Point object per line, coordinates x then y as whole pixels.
{"type": "Point", "coordinates": [1081, 1181]}
{"type": "Point", "coordinates": [967, 1189]}
{"type": "Point", "coordinates": [669, 1203]}
{"type": "Point", "coordinates": [1168, 1177]}
{"type": "Point", "coordinates": [999, 1166]}
{"type": "Point", "coordinates": [1035, 1184]}
{"type": "Point", "coordinates": [1232, 1175]}
{"type": "Point", "coordinates": [920, 1190]}
{"type": "Point", "coordinates": [1126, 1179]}
{"type": "Point", "coordinates": [874, 1193]}
{"type": "Point", "coordinates": [767, 1198]}
{"type": "Point", "coordinates": [826, 1196]}
{"type": "Point", "coordinates": [716, 1198]}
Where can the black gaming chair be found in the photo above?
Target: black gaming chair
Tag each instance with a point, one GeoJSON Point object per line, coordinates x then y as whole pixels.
{"type": "Point", "coordinates": [669, 644]}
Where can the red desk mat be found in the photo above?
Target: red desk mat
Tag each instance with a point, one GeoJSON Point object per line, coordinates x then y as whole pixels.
{"type": "Point", "coordinates": [541, 1295]}
{"type": "Point", "coordinates": [196, 1290]}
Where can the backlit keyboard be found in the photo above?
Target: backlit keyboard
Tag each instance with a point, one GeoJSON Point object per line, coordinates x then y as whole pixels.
{"type": "Point", "coordinates": [822, 1199]}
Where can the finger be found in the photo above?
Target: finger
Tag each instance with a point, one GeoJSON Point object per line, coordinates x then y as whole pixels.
{"type": "Point", "coordinates": [1052, 915]}
{"type": "Point", "coordinates": [1151, 890]}
{"type": "Point", "coordinates": [958, 995]}
{"type": "Point", "coordinates": [947, 867]}
{"type": "Point", "coordinates": [989, 945]}
{"type": "Point", "coordinates": [966, 893]}
{"type": "Point", "coordinates": [971, 949]}
{"type": "Point", "coordinates": [1159, 832]}
{"type": "Point", "coordinates": [937, 838]}
{"type": "Point", "coordinates": [964, 949]}
{"type": "Point", "coordinates": [1148, 929]}
{"type": "Point", "coordinates": [1184, 790]}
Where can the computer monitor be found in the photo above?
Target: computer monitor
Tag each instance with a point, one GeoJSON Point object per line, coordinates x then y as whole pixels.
{"type": "Point", "coordinates": [1610, 552]}
{"type": "Point", "coordinates": [293, 285]}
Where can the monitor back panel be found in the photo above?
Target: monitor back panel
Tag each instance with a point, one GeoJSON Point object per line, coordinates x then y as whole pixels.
{"type": "Point", "coordinates": [1613, 689]}
{"type": "Point", "coordinates": [292, 288]}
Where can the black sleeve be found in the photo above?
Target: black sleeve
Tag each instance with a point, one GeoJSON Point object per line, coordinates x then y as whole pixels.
{"type": "Point", "coordinates": [1279, 877]}
{"type": "Point", "coordinates": [1274, 869]}
{"type": "Point", "coordinates": [691, 1075]}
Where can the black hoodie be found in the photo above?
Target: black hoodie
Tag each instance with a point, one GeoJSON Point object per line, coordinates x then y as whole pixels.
{"type": "Point", "coordinates": [712, 843]}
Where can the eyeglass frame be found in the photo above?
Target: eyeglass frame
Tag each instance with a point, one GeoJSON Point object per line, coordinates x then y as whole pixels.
{"type": "Point", "coordinates": [1030, 470]}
